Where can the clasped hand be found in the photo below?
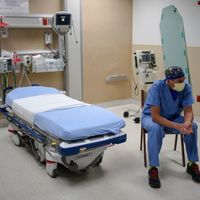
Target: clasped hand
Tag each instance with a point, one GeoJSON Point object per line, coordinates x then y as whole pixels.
{"type": "Point", "coordinates": [185, 128]}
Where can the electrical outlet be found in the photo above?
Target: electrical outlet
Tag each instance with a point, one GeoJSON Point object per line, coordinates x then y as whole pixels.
{"type": "Point", "coordinates": [48, 38]}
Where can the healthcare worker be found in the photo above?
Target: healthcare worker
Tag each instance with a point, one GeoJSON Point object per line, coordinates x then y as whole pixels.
{"type": "Point", "coordinates": [162, 111]}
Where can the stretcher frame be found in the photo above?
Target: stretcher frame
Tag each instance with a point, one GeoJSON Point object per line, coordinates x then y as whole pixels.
{"type": "Point", "coordinates": [77, 156]}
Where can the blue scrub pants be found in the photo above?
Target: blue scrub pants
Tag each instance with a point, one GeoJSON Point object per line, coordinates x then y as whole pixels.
{"type": "Point", "coordinates": [156, 133]}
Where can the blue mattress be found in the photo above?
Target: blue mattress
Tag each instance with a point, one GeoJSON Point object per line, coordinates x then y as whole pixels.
{"type": "Point", "coordinates": [79, 122]}
{"type": "Point", "coordinates": [71, 123]}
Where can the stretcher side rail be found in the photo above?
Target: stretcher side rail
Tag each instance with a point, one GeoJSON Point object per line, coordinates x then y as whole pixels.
{"type": "Point", "coordinates": [107, 140]}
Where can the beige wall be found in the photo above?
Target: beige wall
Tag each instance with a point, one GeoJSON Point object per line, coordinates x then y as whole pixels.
{"type": "Point", "coordinates": [193, 57]}
{"type": "Point", "coordinates": [107, 39]}
{"type": "Point", "coordinates": [45, 6]}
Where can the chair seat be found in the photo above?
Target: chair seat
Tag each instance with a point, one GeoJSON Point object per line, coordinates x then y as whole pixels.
{"type": "Point", "coordinates": [143, 143]}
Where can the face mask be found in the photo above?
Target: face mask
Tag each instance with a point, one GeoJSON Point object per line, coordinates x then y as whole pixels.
{"type": "Point", "coordinates": [179, 87]}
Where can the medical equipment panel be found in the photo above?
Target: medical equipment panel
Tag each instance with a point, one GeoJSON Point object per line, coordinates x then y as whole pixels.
{"type": "Point", "coordinates": [63, 19]}
{"type": "Point", "coordinates": [145, 65]}
{"type": "Point", "coordinates": [144, 57]}
{"type": "Point", "coordinates": [5, 65]}
{"type": "Point", "coordinates": [62, 22]}
{"type": "Point", "coordinates": [42, 63]}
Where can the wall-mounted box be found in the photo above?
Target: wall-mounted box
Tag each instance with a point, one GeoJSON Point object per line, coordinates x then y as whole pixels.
{"type": "Point", "coordinates": [28, 21]}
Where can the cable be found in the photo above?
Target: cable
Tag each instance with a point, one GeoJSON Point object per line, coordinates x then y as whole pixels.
{"type": "Point", "coordinates": [136, 89]}
{"type": "Point", "coordinates": [126, 113]}
{"type": "Point", "coordinates": [65, 59]}
{"type": "Point", "coordinates": [5, 80]}
{"type": "Point", "coordinates": [139, 109]}
{"type": "Point", "coordinates": [24, 73]}
{"type": "Point", "coordinates": [52, 51]}
{"type": "Point", "coordinates": [137, 119]}
{"type": "Point", "coordinates": [73, 27]}
{"type": "Point", "coordinates": [135, 84]}
{"type": "Point", "coordinates": [154, 66]}
{"type": "Point", "coordinates": [14, 78]}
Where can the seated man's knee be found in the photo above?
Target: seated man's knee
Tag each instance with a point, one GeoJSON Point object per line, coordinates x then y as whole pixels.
{"type": "Point", "coordinates": [156, 128]}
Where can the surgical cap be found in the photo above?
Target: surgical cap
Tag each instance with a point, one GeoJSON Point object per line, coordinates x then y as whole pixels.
{"type": "Point", "coordinates": [174, 72]}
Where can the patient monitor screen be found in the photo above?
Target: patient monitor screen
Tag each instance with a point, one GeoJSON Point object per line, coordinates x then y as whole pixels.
{"type": "Point", "coordinates": [146, 57]}
{"type": "Point", "coordinates": [63, 19]}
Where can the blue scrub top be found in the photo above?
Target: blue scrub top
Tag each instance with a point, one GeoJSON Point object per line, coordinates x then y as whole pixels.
{"type": "Point", "coordinates": [159, 95]}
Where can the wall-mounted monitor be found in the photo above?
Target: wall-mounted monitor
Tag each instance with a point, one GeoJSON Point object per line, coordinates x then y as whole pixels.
{"type": "Point", "coordinates": [63, 19]}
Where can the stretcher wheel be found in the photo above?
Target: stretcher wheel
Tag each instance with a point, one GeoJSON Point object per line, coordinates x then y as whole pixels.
{"type": "Point", "coordinates": [54, 173]}
{"type": "Point", "coordinates": [98, 162]}
{"type": "Point", "coordinates": [16, 138]}
{"type": "Point", "coordinates": [34, 150]}
{"type": "Point", "coordinates": [40, 150]}
{"type": "Point", "coordinates": [126, 114]}
{"type": "Point", "coordinates": [52, 169]}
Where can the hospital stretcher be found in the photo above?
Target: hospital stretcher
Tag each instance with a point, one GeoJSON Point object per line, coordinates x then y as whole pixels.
{"type": "Point", "coordinates": [60, 129]}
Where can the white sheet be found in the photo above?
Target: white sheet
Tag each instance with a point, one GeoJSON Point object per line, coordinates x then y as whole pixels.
{"type": "Point", "coordinates": [26, 108]}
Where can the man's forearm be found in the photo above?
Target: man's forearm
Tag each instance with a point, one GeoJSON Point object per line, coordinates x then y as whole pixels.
{"type": "Point", "coordinates": [188, 117]}
{"type": "Point", "coordinates": [188, 114]}
{"type": "Point", "coordinates": [164, 122]}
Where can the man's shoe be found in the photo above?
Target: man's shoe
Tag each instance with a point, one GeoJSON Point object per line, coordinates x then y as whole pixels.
{"type": "Point", "coordinates": [154, 181]}
{"type": "Point", "coordinates": [193, 170]}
